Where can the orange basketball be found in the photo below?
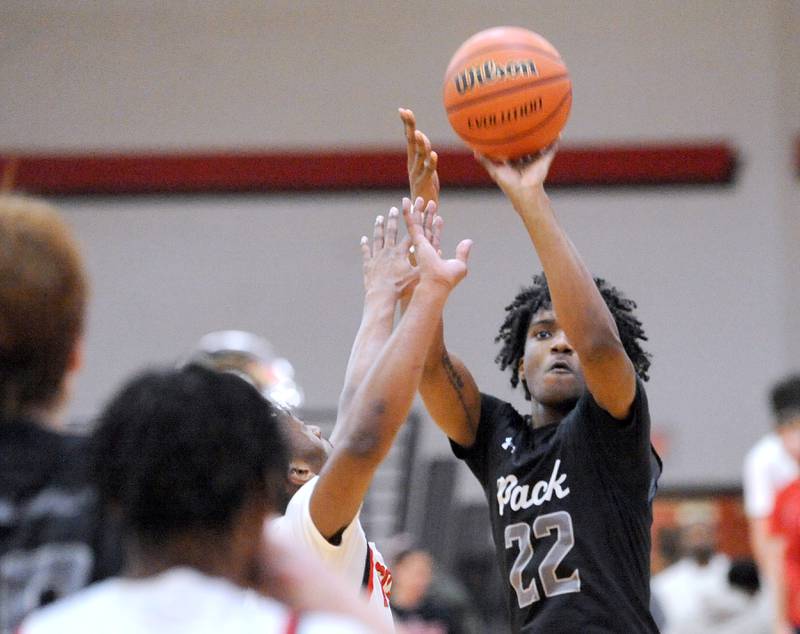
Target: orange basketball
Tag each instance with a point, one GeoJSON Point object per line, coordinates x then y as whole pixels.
{"type": "Point", "coordinates": [507, 92]}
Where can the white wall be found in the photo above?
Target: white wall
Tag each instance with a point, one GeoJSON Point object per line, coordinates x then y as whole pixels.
{"type": "Point", "coordinates": [714, 270]}
{"type": "Point", "coordinates": [789, 34]}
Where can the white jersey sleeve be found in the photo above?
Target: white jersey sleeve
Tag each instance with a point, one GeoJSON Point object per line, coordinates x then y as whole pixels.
{"type": "Point", "coordinates": [767, 469]}
{"type": "Point", "coordinates": [179, 601]}
{"type": "Point", "coordinates": [357, 560]}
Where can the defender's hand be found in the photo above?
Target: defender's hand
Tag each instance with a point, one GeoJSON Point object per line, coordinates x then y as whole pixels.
{"type": "Point", "coordinates": [432, 267]}
{"type": "Point", "coordinates": [423, 178]}
{"type": "Point", "coordinates": [385, 265]}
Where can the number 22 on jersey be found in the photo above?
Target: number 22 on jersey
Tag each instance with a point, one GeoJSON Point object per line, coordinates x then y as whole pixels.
{"type": "Point", "coordinates": [543, 526]}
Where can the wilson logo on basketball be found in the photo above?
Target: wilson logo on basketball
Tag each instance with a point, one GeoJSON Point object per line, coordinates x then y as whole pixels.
{"type": "Point", "coordinates": [490, 72]}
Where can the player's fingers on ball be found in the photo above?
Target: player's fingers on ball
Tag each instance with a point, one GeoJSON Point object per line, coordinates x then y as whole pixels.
{"type": "Point", "coordinates": [390, 238]}
{"type": "Point", "coordinates": [378, 234]}
{"type": "Point", "coordinates": [546, 154]}
{"type": "Point", "coordinates": [489, 165]}
{"type": "Point", "coordinates": [500, 172]}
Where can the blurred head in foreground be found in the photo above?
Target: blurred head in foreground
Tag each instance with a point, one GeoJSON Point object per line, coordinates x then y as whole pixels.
{"type": "Point", "coordinates": [192, 462]}
{"type": "Point", "coordinates": [43, 296]}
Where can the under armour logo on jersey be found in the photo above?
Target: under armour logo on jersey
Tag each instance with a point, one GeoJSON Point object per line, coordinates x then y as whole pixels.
{"type": "Point", "coordinates": [508, 445]}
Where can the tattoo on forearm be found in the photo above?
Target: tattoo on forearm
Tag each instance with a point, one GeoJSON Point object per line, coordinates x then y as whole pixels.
{"type": "Point", "coordinates": [458, 385]}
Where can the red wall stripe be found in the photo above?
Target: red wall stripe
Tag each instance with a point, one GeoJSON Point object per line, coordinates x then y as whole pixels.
{"type": "Point", "coordinates": [76, 174]}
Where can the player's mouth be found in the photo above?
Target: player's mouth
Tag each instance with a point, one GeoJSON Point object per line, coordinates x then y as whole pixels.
{"type": "Point", "coordinates": [559, 367]}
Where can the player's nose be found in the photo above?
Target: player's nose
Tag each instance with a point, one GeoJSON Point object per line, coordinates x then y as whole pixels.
{"type": "Point", "coordinates": [560, 343]}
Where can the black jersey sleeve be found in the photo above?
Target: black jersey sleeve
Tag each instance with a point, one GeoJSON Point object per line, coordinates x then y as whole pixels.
{"type": "Point", "coordinates": [493, 423]}
{"type": "Point", "coordinates": [623, 445]}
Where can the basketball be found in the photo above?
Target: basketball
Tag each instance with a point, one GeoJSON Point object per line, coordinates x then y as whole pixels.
{"type": "Point", "coordinates": [507, 92]}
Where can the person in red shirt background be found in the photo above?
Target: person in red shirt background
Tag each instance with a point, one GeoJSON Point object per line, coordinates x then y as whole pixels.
{"type": "Point", "coordinates": [785, 519]}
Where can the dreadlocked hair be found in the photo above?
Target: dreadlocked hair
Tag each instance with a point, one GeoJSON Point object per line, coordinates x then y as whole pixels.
{"type": "Point", "coordinates": [513, 332]}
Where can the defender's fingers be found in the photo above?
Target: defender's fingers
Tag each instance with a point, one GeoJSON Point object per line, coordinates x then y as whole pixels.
{"type": "Point", "coordinates": [463, 249]}
{"type": "Point", "coordinates": [415, 157]}
{"type": "Point", "coordinates": [431, 163]}
{"type": "Point", "coordinates": [409, 127]}
{"type": "Point", "coordinates": [419, 211]}
{"type": "Point", "coordinates": [390, 237]}
{"type": "Point", "coordinates": [377, 234]}
{"type": "Point", "coordinates": [436, 237]}
{"type": "Point", "coordinates": [413, 222]}
{"type": "Point", "coordinates": [409, 122]}
{"type": "Point", "coordinates": [423, 146]}
{"type": "Point", "coordinates": [365, 252]}
{"type": "Point", "coordinates": [428, 216]}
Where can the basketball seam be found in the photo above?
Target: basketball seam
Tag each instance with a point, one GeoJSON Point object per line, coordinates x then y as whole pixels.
{"type": "Point", "coordinates": [505, 91]}
{"type": "Point", "coordinates": [500, 47]}
{"type": "Point", "coordinates": [521, 135]}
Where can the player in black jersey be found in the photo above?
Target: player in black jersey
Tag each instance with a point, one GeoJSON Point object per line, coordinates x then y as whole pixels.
{"type": "Point", "coordinates": [570, 483]}
{"type": "Point", "coordinates": [52, 541]}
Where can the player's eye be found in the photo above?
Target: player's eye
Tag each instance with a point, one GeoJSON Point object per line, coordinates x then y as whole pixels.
{"type": "Point", "coordinates": [542, 334]}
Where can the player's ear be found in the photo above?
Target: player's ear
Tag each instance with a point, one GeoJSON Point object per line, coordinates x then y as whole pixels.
{"type": "Point", "coordinates": [75, 360]}
{"type": "Point", "coordinates": [528, 396]}
{"type": "Point", "coordinates": [521, 373]}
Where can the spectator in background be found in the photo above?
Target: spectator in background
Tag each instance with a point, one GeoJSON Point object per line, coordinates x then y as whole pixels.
{"type": "Point", "coordinates": [738, 608]}
{"type": "Point", "coordinates": [769, 466]}
{"type": "Point", "coordinates": [52, 540]}
{"type": "Point", "coordinates": [416, 609]}
{"type": "Point", "coordinates": [785, 520]}
{"type": "Point", "coordinates": [684, 589]}
{"type": "Point", "coordinates": [194, 462]}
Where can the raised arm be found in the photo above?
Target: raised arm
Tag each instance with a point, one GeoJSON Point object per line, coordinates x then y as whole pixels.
{"type": "Point", "coordinates": [447, 387]}
{"type": "Point", "coordinates": [388, 275]}
{"type": "Point", "coordinates": [382, 400]}
{"type": "Point", "coordinates": [423, 177]}
{"type": "Point", "coordinates": [579, 306]}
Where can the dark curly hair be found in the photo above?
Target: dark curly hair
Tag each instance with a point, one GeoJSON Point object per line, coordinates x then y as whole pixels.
{"type": "Point", "coordinates": [183, 450]}
{"type": "Point", "coordinates": [514, 331]}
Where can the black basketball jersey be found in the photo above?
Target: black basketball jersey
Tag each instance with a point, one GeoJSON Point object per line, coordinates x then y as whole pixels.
{"type": "Point", "coordinates": [53, 539]}
{"type": "Point", "coordinates": [571, 509]}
